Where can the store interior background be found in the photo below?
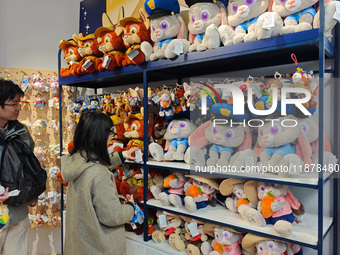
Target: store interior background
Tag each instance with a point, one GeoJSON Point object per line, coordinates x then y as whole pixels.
{"type": "Point", "coordinates": [30, 34]}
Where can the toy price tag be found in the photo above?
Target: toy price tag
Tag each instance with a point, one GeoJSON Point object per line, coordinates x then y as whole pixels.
{"type": "Point", "coordinates": [133, 225]}
{"type": "Point", "coordinates": [31, 217]}
{"type": "Point", "coordinates": [257, 90]}
{"type": "Point", "coordinates": [193, 229]}
{"type": "Point", "coordinates": [87, 64]}
{"type": "Point", "coordinates": [106, 61]}
{"type": "Point", "coordinates": [126, 170]}
{"type": "Point", "coordinates": [269, 22]}
{"type": "Point", "coordinates": [337, 12]}
{"type": "Point", "coordinates": [249, 161]}
{"type": "Point", "coordinates": [50, 194]}
{"type": "Point", "coordinates": [44, 218]}
{"type": "Point", "coordinates": [71, 62]}
{"type": "Point", "coordinates": [13, 193]}
{"type": "Point", "coordinates": [178, 49]}
{"type": "Point", "coordinates": [184, 108]}
{"type": "Point", "coordinates": [163, 221]}
{"type": "Point", "coordinates": [50, 103]}
{"type": "Point", "coordinates": [139, 156]}
{"type": "Point", "coordinates": [25, 87]}
{"type": "Point", "coordinates": [131, 55]}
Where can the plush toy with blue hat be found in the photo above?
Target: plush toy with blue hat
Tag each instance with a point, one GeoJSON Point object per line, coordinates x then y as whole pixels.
{"type": "Point", "coordinates": [168, 30]}
{"type": "Point", "coordinates": [205, 16]}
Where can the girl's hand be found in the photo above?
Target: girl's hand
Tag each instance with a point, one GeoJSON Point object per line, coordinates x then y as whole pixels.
{"type": "Point", "coordinates": [130, 152]}
{"type": "Point", "coordinates": [130, 198]}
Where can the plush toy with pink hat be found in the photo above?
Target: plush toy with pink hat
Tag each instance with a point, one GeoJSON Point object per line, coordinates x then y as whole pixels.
{"type": "Point", "coordinates": [227, 241]}
{"type": "Point", "coordinates": [275, 203]}
{"type": "Point", "coordinates": [264, 245]}
{"type": "Point", "coordinates": [204, 19]}
{"type": "Point", "coordinates": [168, 30]}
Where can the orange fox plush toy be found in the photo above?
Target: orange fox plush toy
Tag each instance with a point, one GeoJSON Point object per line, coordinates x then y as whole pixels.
{"type": "Point", "coordinates": [71, 55]}
{"type": "Point", "coordinates": [88, 49]}
{"type": "Point", "coordinates": [135, 32]}
{"type": "Point", "coordinates": [111, 43]}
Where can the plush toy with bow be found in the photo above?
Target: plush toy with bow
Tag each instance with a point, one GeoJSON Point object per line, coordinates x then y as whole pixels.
{"type": "Point", "coordinates": [71, 56]}
{"type": "Point", "coordinates": [264, 245]}
{"type": "Point", "coordinates": [176, 135]}
{"type": "Point", "coordinates": [275, 203]}
{"type": "Point", "coordinates": [226, 240]}
{"type": "Point", "coordinates": [168, 30]}
{"type": "Point", "coordinates": [110, 43]}
{"type": "Point", "coordinates": [243, 17]}
{"type": "Point", "coordinates": [38, 83]}
{"type": "Point", "coordinates": [204, 19]}
{"type": "Point", "coordinates": [135, 32]}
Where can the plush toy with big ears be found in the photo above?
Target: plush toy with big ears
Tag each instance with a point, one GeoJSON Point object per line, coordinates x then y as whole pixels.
{"type": "Point", "coordinates": [226, 240]}
{"type": "Point", "coordinates": [330, 22]}
{"type": "Point", "coordinates": [204, 19]}
{"type": "Point", "coordinates": [110, 43]}
{"type": "Point", "coordinates": [135, 32]}
{"type": "Point", "coordinates": [71, 56]}
{"type": "Point", "coordinates": [168, 30]}
{"type": "Point", "coordinates": [260, 245]}
{"type": "Point", "coordinates": [176, 135]}
{"type": "Point", "coordinates": [275, 203]}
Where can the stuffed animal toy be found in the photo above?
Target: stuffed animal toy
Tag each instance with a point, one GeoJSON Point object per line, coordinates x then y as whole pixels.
{"type": "Point", "coordinates": [234, 191]}
{"type": "Point", "coordinates": [268, 89]}
{"type": "Point", "coordinates": [26, 103]}
{"type": "Point", "coordinates": [172, 226]}
{"type": "Point", "coordinates": [77, 104]}
{"type": "Point", "coordinates": [204, 19]}
{"type": "Point", "coordinates": [180, 100]}
{"type": "Point", "coordinates": [94, 103]}
{"type": "Point", "coordinates": [135, 100]}
{"type": "Point", "coordinates": [168, 30]}
{"type": "Point", "coordinates": [165, 102]}
{"type": "Point", "coordinates": [176, 135]}
{"type": "Point", "coordinates": [225, 141]}
{"type": "Point", "coordinates": [330, 22]}
{"type": "Point", "coordinates": [71, 57]}
{"type": "Point", "coordinates": [284, 146]}
{"type": "Point", "coordinates": [243, 17]}
{"type": "Point", "coordinates": [311, 128]}
{"type": "Point", "coordinates": [25, 83]}
{"type": "Point", "coordinates": [88, 49]}
{"type": "Point", "coordinates": [38, 83]}
{"type": "Point", "coordinates": [40, 100]}
{"type": "Point", "coordinates": [54, 84]}
{"type": "Point", "coordinates": [264, 245]}
{"type": "Point", "coordinates": [226, 240]}
{"type": "Point", "coordinates": [118, 129]}
{"type": "Point", "coordinates": [108, 105]}
{"type": "Point", "coordinates": [276, 204]}
{"type": "Point", "coordinates": [159, 126]}
{"type": "Point", "coordinates": [110, 43]}
{"type": "Point", "coordinates": [135, 32]}
{"type": "Point", "coordinates": [298, 15]}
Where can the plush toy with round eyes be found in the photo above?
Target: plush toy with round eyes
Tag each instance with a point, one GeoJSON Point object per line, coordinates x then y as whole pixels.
{"type": "Point", "coordinates": [94, 103]}
{"type": "Point", "coordinates": [264, 245]}
{"type": "Point", "coordinates": [204, 19]}
{"type": "Point", "coordinates": [71, 57]}
{"type": "Point", "coordinates": [54, 84]}
{"type": "Point", "coordinates": [243, 16]}
{"type": "Point", "coordinates": [38, 83]}
{"type": "Point", "coordinates": [168, 30]}
{"type": "Point", "coordinates": [176, 135]}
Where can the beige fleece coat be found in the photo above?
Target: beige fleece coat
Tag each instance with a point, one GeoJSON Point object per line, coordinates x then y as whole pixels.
{"type": "Point", "coordinates": [94, 215]}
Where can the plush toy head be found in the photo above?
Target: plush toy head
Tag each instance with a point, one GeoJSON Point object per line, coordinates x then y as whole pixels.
{"type": "Point", "coordinates": [287, 7]}
{"type": "Point", "coordinates": [222, 235]}
{"type": "Point", "coordinates": [232, 186]}
{"type": "Point", "coordinates": [110, 38]}
{"type": "Point", "coordinates": [70, 49]}
{"type": "Point", "coordinates": [202, 14]}
{"type": "Point", "coordinates": [265, 189]}
{"type": "Point", "coordinates": [179, 128]}
{"type": "Point", "coordinates": [240, 11]}
{"type": "Point", "coordinates": [135, 30]}
{"type": "Point", "coordinates": [264, 245]}
{"type": "Point", "coordinates": [88, 45]}
{"type": "Point", "coordinates": [136, 127]}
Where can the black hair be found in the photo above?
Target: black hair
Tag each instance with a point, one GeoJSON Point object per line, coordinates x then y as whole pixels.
{"type": "Point", "coordinates": [8, 91]}
{"type": "Point", "coordinates": [90, 137]}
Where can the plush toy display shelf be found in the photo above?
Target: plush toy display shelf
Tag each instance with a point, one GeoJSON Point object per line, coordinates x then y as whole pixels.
{"type": "Point", "coordinates": [305, 233]}
{"type": "Point", "coordinates": [273, 51]}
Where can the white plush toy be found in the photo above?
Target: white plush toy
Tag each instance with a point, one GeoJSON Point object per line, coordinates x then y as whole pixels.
{"type": "Point", "coordinates": [168, 30]}
{"type": "Point", "coordinates": [205, 16]}
{"type": "Point", "coordinates": [330, 22]}
{"type": "Point", "coordinates": [298, 14]}
{"type": "Point", "coordinates": [248, 23]}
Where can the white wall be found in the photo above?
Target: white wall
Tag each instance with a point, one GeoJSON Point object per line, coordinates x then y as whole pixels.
{"type": "Point", "coordinates": [31, 30]}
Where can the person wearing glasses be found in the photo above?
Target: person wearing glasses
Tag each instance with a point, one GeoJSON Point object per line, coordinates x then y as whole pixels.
{"type": "Point", "coordinates": [14, 235]}
{"type": "Point", "coordinates": [95, 217]}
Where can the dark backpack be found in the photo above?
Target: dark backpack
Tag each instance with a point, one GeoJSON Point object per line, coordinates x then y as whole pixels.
{"type": "Point", "coordinates": [20, 169]}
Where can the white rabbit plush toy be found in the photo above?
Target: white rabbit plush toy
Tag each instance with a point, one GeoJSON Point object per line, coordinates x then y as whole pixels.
{"type": "Point", "coordinates": [205, 16]}
{"type": "Point", "coordinates": [243, 16]}
{"type": "Point", "coordinates": [168, 30]}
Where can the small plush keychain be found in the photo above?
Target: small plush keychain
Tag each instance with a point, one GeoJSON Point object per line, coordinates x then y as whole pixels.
{"type": "Point", "coordinates": [54, 84]}
{"type": "Point", "coordinates": [94, 103]}
{"type": "Point", "coordinates": [40, 100]}
{"type": "Point", "coordinates": [25, 83]}
{"type": "Point", "coordinates": [39, 126]}
{"type": "Point", "coordinates": [4, 215]}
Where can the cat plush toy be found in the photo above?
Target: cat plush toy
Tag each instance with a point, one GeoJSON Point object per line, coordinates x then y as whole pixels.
{"type": "Point", "coordinates": [168, 30]}
{"type": "Point", "coordinates": [204, 19]}
{"type": "Point", "coordinates": [71, 56]}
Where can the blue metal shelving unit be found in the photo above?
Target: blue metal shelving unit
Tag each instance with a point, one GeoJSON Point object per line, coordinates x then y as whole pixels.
{"type": "Point", "coordinates": [309, 45]}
